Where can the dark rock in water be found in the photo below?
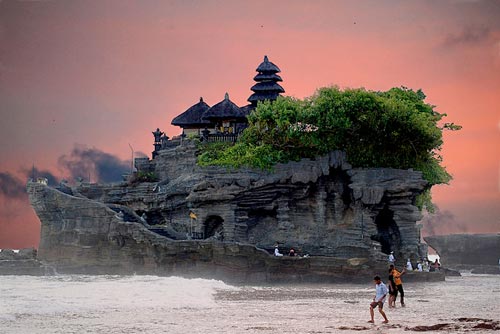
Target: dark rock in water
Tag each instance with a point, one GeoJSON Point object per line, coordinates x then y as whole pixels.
{"type": "Point", "coordinates": [477, 252]}
{"type": "Point", "coordinates": [23, 262]}
{"type": "Point", "coordinates": [486, 270]}
{"type": "Point", "coordinates": [7, 254]}
{"type": "Point", "coordinates": [423, 276]}
{"type": "Point", "coordinates": [460, 325]}
{"type": "Point", "coordinates": [345, 219]}
{"type": "Point", "coordinates": [450, 272]}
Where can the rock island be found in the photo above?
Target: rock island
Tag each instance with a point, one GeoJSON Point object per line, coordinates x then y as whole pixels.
{"type": "Point", "coordinates": [175, 216]}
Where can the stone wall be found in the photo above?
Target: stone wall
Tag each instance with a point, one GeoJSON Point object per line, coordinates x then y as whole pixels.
{"type": "Point", "coordinates": [80, 235]}
{"type": "Point", "coordinates": [320, 207]}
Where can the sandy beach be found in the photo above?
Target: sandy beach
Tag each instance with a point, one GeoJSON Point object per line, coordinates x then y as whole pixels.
{"type": "Point", "coordinates": [150, 304]}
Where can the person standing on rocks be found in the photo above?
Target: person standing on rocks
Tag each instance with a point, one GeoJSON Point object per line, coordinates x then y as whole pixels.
{"type": "Point", "coordinates": [399, 284]}
{"type": "Point", "coordinates": [408, 265]}
{"type": "Point", "coordinates": [379, 299]}
{"type": "Point", "coordinates": [393, 291]}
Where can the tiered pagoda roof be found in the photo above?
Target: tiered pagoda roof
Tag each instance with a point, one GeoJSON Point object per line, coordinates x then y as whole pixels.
{"type": "Point", "coordinates": [267, 87]}
{"type": "Point", "coordinates": [193, 117]}
{"type": "Point", "coordinates": [224, 110]}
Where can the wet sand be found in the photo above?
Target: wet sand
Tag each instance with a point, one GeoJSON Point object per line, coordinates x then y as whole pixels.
{"type": "Point", "coordinates": [149, 304]}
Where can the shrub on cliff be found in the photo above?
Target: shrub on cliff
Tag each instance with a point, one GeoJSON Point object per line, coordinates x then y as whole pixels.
{"type": "Point", "coordinates": [396, 128]}
{"type": "Point", "coordinates": [141, 176]}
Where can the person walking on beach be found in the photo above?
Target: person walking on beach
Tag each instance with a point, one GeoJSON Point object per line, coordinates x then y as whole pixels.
{"type": "Point", "coordinates": [379, 299]}
{"type": "Point", "coordinates": [399, 284]}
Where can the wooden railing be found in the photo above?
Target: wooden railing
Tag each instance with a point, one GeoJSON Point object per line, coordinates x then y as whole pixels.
{"type": "Point", "coordinates": [198, 235]}
{"type": "Point", "coordinates": [220, 137]}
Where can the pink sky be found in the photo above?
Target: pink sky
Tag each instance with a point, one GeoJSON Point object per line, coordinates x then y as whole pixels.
{"type": "Point", "coordinates": [106, 73]}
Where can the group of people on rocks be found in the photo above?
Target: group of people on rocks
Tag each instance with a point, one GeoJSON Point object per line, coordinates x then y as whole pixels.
{"type": "Point", "coordinates": [423, 265]}
{"type": "Point", "coordinates": [291, 252]}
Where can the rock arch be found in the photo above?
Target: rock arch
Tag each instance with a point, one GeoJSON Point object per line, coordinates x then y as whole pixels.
{"type": "Point", "coordinates": [387, 231]}
{"type": "Point", "coordinates": [213, 226]}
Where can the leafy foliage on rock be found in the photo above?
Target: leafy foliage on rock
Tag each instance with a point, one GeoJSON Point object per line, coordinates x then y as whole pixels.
{"type": "Point", "coordinates": [141, 176]}
{"type": "Point", "coordinates": [396, 128]}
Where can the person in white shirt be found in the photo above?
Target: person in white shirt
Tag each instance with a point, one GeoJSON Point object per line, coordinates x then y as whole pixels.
{"type": "Point", "coordinates": [276, 251]}
{"type": "Point", "coordinates": [391, 258]}
{"type": "Point", "coordinates": [379, 299]}
{"type": "Point", "coordinates": [419, 267]}
{"type": "Point", "coordinates": [409, 267]}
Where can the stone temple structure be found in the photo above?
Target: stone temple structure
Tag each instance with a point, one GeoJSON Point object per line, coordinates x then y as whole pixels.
{"type": "Point", "coordinates": [225, 121]}
{"type": "Point", "coordinates": [174, 217]}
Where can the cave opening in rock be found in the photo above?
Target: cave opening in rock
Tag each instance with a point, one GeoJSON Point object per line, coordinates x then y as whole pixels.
{"type": "Point", "coordinates": [387, 231]}
{"type": "Point", "coordinates": [213, 226]}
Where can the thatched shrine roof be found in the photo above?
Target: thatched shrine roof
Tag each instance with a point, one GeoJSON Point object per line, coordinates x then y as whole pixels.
{"type": "Point", "coordinates": [255, 97]}
{"type": "Point", "coordinates": [267, 86]}
{"type": "Point", "coordinates": [225, 109]}
{"type": "Point", "coordinates": [246, 110]}
{"type": "Point", "coordinates": [267, 77]}
{"type": "Point", "coordinates": [267, 67]}
{"type": "Point", "coordinates": [193, 116]}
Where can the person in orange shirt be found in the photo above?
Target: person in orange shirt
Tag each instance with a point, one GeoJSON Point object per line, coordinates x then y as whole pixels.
{"type": "Point", "coordinates": [399, 284]}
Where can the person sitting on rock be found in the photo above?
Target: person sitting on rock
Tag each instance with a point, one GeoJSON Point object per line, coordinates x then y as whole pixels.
{"type": "Point", "coordinates": [276, 251]}
{"type": "Point", "coordinates": [291, 252]}
{"type": "Point", "coordinates": [391, 258]}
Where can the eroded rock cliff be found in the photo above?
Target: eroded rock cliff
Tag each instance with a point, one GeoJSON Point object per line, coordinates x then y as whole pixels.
{"type": "Point", "coordinates": [477, 252]}
{"type": "Point", "coordinates": [322, 207]}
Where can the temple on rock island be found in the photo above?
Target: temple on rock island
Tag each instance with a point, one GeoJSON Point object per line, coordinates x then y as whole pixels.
{"type": "Point", "coordinates": [224, 121]}
{"type": "Point", "coordinates": [174, 217]}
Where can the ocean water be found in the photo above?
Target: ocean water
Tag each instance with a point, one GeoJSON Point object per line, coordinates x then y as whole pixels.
{"type": "Point", "coordinates": [150, 304]}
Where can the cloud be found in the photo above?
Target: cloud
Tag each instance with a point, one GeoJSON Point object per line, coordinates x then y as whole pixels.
{"type": "Point", "coordinates": [81, 162]}
{"type": "Point", "coordinates": [468, 36]}
{"type": "Point", "coordinates": [103, 167]}
{"type": "Point", "coordinates": [441, 222]}
{"type": "Point", "coordinates": [12, 187]}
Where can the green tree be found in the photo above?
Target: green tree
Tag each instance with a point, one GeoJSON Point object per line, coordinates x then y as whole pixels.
{"type": "Point", "coordinates": [396, 128]}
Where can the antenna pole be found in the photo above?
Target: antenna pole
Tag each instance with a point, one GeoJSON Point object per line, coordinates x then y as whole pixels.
{"type": "Point", "coordinates": [131, 161]}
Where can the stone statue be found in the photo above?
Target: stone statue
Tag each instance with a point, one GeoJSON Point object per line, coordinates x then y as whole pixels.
{"type": "Point", "coordinates": [164, 141]}
{"type": "Point", "coordinates": [157, 134]}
